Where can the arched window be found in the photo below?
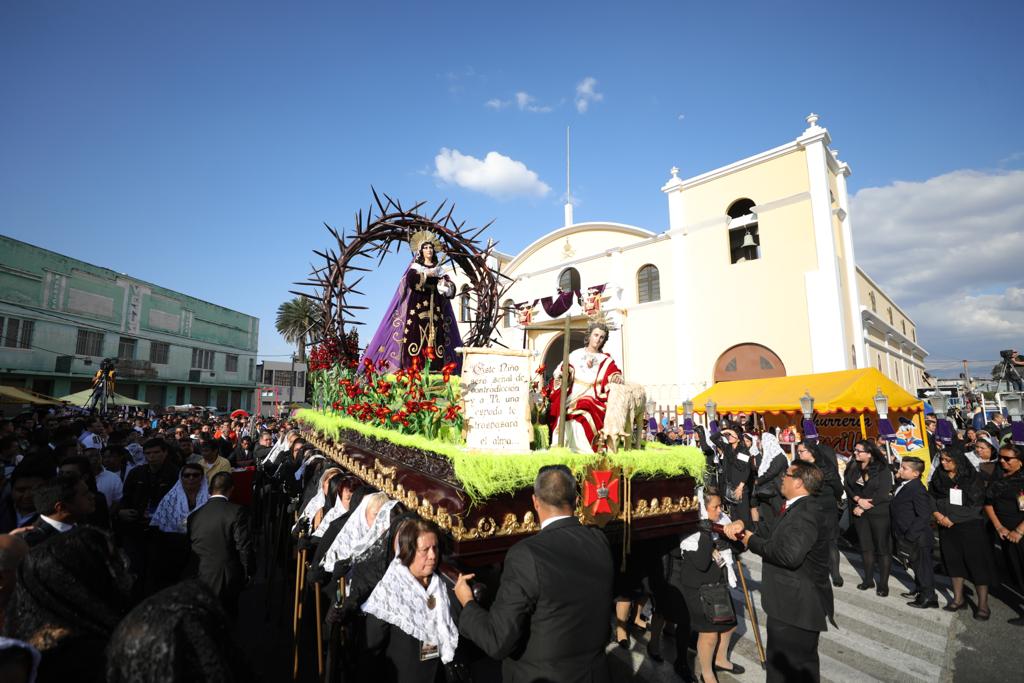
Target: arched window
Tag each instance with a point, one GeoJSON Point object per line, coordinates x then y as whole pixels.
{"type": "Point", "coordinates": [748, 361]}
{"type": "Point", "coordinates": [508, 311]}
{"type": "Point", "coordinates": [648, 284]}
{"type": "Point", "coordinates": [744, 237]}
{"type": "Point", "coordinates": [569, 280]}
{"type": "Point", "coordinates": [465, 314]}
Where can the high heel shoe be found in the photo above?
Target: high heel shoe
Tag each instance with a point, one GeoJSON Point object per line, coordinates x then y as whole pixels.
{"type": "Point", "coordinates": [735, 669]}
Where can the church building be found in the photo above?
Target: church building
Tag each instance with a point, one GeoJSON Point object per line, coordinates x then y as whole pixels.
{"type": "Point", "coordinates": [769, 236]}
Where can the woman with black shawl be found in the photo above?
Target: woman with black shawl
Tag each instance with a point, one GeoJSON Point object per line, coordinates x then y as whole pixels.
{"type": "Point", "coordinates": [179, 634]}
{"type": "Point", "coordinates": [828, 498]}
{"type": "Point", "coordinates": [738, 466]}
{"type": "Point", "coordinates": [959, 497]}
{"type": "Point", "coordinates": [71, 592]}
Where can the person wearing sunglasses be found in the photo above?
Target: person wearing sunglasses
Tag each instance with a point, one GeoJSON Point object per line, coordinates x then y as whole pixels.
{"type": "Point", "coordinates": [1004, 506]}
{"type": "Point", "coordinates": [868, 485]}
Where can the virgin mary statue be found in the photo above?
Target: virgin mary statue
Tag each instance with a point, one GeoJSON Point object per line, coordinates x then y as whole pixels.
{"type": "Point", "coordinates": [419, 322]}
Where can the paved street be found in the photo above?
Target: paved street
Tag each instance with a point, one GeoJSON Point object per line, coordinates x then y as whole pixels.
{"type": "Point", "coordinates": [879, 639]}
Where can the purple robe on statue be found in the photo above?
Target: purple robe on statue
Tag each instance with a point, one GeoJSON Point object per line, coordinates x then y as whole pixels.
{"type": "Point", "coordinates": [419, 315]}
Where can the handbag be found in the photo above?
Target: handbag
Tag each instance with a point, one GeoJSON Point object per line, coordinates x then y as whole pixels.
{"type": "Point", "coordinates": [717, 605]}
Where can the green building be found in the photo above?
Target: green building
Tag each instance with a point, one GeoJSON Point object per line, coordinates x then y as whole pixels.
{"type": "Point", "coordinates": [60, 317]}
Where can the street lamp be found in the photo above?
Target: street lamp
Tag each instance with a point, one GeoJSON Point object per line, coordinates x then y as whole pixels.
{"type": "Point", "coordinates": [1015, 406]}
{"type": "Point", "coordinates": [807, 408]}
{"type": "Point", "coordinates": [711, 416]}
{"type": "Point", "coordinates": [943, 428]}
{"type": "Point", "coordinates": [688, 417]}
{"type": "Point", "coordinates": [885, 428]}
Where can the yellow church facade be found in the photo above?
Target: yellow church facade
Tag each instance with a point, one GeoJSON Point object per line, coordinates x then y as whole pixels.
{"type": "Point", "coordinates": [754, 276]}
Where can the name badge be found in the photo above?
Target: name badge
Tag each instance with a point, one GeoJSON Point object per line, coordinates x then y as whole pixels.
{"type": "Point", "coordinates": [956, 497]}
{"type": "Point", "coordinates": [743, 456]}
{"type": "Point", "coordinates": [428, 652]}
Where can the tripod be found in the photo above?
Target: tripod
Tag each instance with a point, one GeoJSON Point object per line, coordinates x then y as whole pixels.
{"type": "Point", "coordinates": [102, 387]}
{"type": "Point", "coordinates": [1005, 372]}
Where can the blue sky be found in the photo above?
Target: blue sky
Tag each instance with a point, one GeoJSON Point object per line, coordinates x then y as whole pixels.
{"type": "Point", "coordinates": [202, 145]}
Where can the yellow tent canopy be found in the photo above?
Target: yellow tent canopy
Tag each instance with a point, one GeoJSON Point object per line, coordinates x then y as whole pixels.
{"type": "Point", "coordinates": [16, 395]}
{"type": "Point", "coordinates": [846, 391]}
{"type": "Point", "coordinates": [82, 397]}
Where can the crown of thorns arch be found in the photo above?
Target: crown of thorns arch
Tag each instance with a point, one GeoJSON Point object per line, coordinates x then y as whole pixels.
{"type": "Point", "coordinates": [386, 225]}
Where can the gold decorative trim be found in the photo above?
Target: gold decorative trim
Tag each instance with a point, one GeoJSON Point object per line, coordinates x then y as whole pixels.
{"type": "Point", "coordinates": [383, 476]}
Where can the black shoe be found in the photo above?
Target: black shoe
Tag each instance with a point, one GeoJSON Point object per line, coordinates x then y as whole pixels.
{"type": "Point", "coordinates": [838, 583]}
{"type": "Point", "coordinates": [736, 669]}
{"type": "Point", "coordinates": [654, 654]}
{"type": "Point", "coordinates": [882, 592]}
{"type": "Point", "coordinates": [954, 607]}
{"type": "Point", "coordinates": [909, 594]}
{"type": "Point", "coordinates": [924, 604]}
{"type": "Point", "coordinates": [982, 615]}
{"type": "Point", "coordinates": [864, 585]}
{"type": "Point", "coordinates": [1016, 621]}
{"type": "Point", "coordinates": [624, 643]}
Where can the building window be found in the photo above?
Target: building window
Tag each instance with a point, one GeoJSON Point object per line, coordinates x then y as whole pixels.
{"type": "Point", "coordinates": [268, 376]}
{"type": "Point", "coordinates": [252, 367]}
{"type": "Point", "coordinates": [300, 380]}
{"type": "Point", "coordinates": [465, 315]}
{"type": "Point", "coordinates": [913, 335]}
{"type": "Point", "coordinates": [569, 280]}
{"type": "Point", "coordinates": [874, 304]}
{"type": "Point", "coordinates": [903, 323]}
{"type": "Point", "coordinates": [202, 359]}
{"type": "Point", "coordinates": [159, 352]}
{"type": "Point", "coordinates": [126, 348]}
{"type": "Point", "coordinates": [891, 322]}
{"type": "Point", "coordinates": [508, 312]}
{"type": "Point", "coordinates": [89, 343]}
{"type": "Point", "coordinates": [17, 334]}
{"type": "Point", "coordinates": [648, 284]}
{"type": "Point", "coordinates": [230, 363]}
{"type": "Point", "coordinates": [744, 237]}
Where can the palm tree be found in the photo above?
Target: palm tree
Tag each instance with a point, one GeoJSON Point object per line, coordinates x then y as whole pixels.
{"type": "Point", "coordinates": [294, 319]}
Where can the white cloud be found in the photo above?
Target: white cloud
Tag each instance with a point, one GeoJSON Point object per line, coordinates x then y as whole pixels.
{"type": "Point", "coordinates": [524, 101]}
{"type": "Point", "coordinates": [496, 174]}
{"type": "Point", "coordinates": [680, 117]}
{"type": "Point", "coordinates": [949, 250]}
{"type": "Point", "coordinates": [586, 92]}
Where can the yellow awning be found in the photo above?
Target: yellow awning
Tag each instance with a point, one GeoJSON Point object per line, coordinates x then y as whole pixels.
{"type": "Point", "coordinates": [847, 391]}
{"type": "Point", "coordinates": [16, 395]}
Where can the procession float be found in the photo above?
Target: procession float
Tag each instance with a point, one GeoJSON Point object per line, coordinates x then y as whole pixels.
{"type": "Point", "coordinates": [455, 426]}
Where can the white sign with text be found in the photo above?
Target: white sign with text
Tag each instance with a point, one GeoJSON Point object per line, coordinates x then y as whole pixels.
{"type": "Point", "coordinates": [495, 388]}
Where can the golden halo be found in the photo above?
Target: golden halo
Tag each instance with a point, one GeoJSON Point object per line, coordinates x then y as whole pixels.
{"type": "Point", "coordinates": [418, 238]}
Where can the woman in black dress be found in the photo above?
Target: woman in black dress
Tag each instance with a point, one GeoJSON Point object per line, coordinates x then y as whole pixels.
{"type": "Point", "coordinates": [828, 498]}
{"type": "Point", "coordinates": [411, 632]}
{"type": "Point", "coordinates": [702, 559]}
{"type": "Point", "coordinates": [768, 481]}
{"type": "Point", "coordinates": [988, 459]}
{"type": "Point", "coordinates": [869, 490]}
{"type": "Point", "coordinates": [737, 467]}
{"type": "Point", "coordinates": [1004, 506]}
{"type": "Point", "coordinates": [959, 496]}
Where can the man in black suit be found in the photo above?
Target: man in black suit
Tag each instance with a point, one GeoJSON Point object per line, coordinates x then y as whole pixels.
{"type": "Point", "coordinates": [911, 509]}
{"type": "Point", "coordinates": [795, 590]}
{"type": "Point", "coordinates": [550, 619]}
{"type": "Point", "coordinates": [221, 551]}
{"type": "Point", "coordinates": [62, 502]}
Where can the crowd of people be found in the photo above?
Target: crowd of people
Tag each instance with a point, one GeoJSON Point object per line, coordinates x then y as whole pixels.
{"type": "Point", "coordinates": [118, 533]}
